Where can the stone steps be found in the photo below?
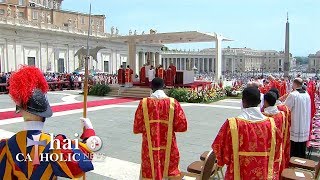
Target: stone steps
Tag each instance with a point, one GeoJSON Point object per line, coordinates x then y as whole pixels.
{"type": "Point", "coordinates": [135, 92]}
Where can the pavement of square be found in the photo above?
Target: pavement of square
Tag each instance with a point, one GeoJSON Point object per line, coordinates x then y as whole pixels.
{"type": "Point", "coordinates": [114, 124]}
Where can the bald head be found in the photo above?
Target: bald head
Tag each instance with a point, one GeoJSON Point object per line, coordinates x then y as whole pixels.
{"type": "Point", "coordinates": [297, 83]}
{"type": "Point", "coordinates": [253, 84]}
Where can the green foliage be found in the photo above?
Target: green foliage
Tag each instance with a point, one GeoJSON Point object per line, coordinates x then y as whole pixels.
{"type": "Point", "coordinates": [201, 96]}
{"type": "Point", "coordinates": [180, 94]}
{"type": "Point", "coordinates": [301, 60]}
{"type": "Point", "coordinates": [233, 91]}
{"type": "Point", "coordinates": [99, 90]}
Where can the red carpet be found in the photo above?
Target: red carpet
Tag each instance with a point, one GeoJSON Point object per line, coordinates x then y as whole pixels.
{"type": "Point", "coordinates": [68, 107]}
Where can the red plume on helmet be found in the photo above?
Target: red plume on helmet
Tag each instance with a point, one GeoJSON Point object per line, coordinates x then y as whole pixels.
{"type": "Point", "coordinates": [23, 82]}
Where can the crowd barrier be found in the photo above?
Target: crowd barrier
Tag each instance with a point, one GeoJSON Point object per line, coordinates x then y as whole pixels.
{"type": "Point", "coordinates": [53, 86]}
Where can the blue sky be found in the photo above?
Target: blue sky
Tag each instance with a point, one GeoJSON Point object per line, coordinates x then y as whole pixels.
{"type": "Point", "coordinates": [257, 24]}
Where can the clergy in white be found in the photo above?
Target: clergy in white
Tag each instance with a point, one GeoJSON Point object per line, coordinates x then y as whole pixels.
{"type": "Point", "coordinates": [299, 103]}
{"type": "Point", "coordinates": [151, 74]}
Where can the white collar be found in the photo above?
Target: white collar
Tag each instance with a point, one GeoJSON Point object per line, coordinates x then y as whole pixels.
{"type": "Point", "coordinates": [159, 94]}
{"type": "Point", "coordinates": [252, 113]}
{"type": "Point", "coordinates": [271, 110]}
{"type": "Point", "coordinates": [278, 102]}
{"type": "Point", "coordinates": [34, 125]}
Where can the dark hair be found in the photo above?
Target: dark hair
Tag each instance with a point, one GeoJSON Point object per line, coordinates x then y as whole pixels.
{"type": "Point", "coordinates": [128, 66]}
{"type": "Point", "coordinates": [271, 98]}
{"type": "Point", "coordinates": [251, 96]}
{"type": "Point", "coordinates": [276, 91]}
{"type": "Point", "coordinates": [157, 83]}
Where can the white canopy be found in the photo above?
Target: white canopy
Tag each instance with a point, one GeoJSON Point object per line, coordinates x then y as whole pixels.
{"type": "Point", "coordinates": [170, 38]}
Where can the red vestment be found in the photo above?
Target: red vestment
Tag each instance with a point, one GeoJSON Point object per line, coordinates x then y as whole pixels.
{"type": "Point", "coordinates": [311, 88]}
{"type": "Point", "coordinates": [283, 90]}
{"type": "Point", "coordinates": [250, 149]}
{"type": "Point", "coordinates": [160, 73]}
{"type": "Point", "coordinates": [143, 75]}
{"type": "Point", "coordinates": [129, 73]}
{"type": "Point", "coordinates": [169, 77]}
{"type": "Point", "coordinates": [174, 72]}
{"type": "Point", "coordinates": [286, 136]}
{"type": "Point", "coordinates": [281, 119]}
{"type": "Point", "coordinates": [158, 120]}
{"type": "Point", "coordinates": [121, 76]}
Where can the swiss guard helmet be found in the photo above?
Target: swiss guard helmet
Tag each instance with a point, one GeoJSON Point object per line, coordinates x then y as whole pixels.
{"type": "Point", "coordinates": [28, 88]}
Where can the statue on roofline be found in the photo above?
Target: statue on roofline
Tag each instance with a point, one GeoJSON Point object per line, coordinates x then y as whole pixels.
{"type": "Point", "coordinates": [17, 12]}
{"type": "Point", "coordinates": [153, 31]}
{"type": "Point", "coordinates": [112, 30]}
{"type": "Point", "coordinates": [117, 31]}
{"type": "Point", "coordinates": [9, 11]}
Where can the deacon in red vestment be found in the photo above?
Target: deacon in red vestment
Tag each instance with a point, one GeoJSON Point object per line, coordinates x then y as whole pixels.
{"type": "Point", "coordinates": [128, 74]}
{"type": "Point", "coordinates": [286, 137]}
{"type": "Point", "coordinates": [281, 114]}
{"type": "Point", "coordinates": [143, 74]}
{"type": "Point", "coordinates": [121, 76]}
{"type": "Point", "coordinates": [160, 72]}
{"type": "Point", "coordinates": [169, 77]}
{"type": "Point", "coordinates": [158, 118]}
{"type": "Point", "coordinates": [311, 89]}
{"type": "Point", "coordinates": [250, 144]}
{"type": "Point", "coordinates": [174, 72]}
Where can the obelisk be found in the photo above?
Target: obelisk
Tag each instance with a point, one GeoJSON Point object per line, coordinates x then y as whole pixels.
{"type": "Point", "coordinates": [286, 67]}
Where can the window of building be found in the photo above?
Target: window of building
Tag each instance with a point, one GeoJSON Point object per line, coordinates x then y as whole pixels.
{"type": "Point", "coordinates": [92, 21]}
{"type": "Point", "coordinates": [280, 63]}
{"type": "Point", "coordinates": [35, 15]}
{"type": "Point", "coordinates": [240, 60]}
{"type": "Point", "coordinates": [106, 66]}
{"type": "Point", "coordinates": [21, 2]}
{"type": "Point", "coordinates": [2, 11]}
{"type": "Point", "coordinates": [49, 4]}
{"type": "Point", "coordinates": [21, 14]}
{"type": "Point", "coordinates": [65, 24]}
{"type": "Point", "coordinates": [61, 65]}
{"type": "Point", "coordinates": [314, 62]}
{"type": "Point", "coordinates": [45, 3]}
{"type": "Point", "coordinates": [82, 20]}
{"type": "Point", "coordinates": [101, 23]}
{"type": "Point", "coordinates": [31, 61]}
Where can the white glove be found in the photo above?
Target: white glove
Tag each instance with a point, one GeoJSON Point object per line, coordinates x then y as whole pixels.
{"type": "Point", "coordinates": [86, 123]}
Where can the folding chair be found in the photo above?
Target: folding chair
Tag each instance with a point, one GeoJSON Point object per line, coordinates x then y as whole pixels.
{"type": "Point", "coordinates": [203, 170]}
{"type": "Point", "coordinates": [311, 171]}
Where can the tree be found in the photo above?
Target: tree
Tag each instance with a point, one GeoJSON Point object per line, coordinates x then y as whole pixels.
{"type": "Point", "coordinates": [301, 60]}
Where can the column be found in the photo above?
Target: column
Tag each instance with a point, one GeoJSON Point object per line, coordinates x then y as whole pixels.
{"type": "Point", "coordinates": [218, 58]}
{"type": "Point", "coordinates": [132, 48]}
{"type": "Point", "coordinates": [233, 65]}
{"type": "Point", "coordinates": [160, 57]}
{"type": "Point", "coordinates": [153, 62]}
{"type": "Point", "coordinates": [201, 65]}
{"type": "Point", "coordinates": [157, 59]}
